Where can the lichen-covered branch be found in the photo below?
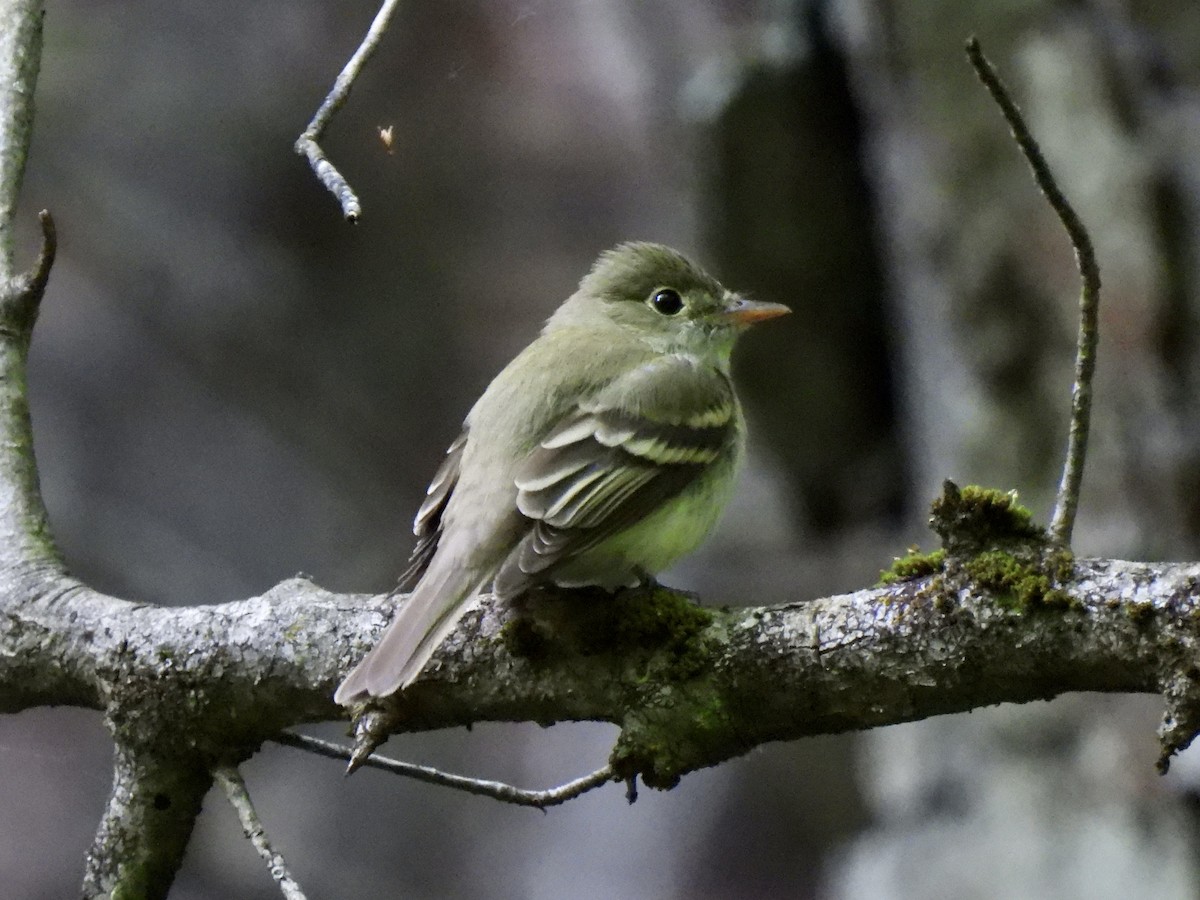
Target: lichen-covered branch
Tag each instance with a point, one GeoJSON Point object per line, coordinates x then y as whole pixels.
{"type": "Point", "coordinates": [25, 545]}
{"type": "Point", "coordinates": [689, 687]}
{"type": "Point", "coordinates": [146, 825]}
{"type": "Point", "coordinates": [20, 59]}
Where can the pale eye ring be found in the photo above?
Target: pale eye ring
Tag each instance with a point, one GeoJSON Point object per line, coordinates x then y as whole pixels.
{"type": "Point", "coordinates": [667, 301]}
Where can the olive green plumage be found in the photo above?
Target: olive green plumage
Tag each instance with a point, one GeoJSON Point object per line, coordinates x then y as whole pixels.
{"type": "Point", "coordinates": [602, 453]}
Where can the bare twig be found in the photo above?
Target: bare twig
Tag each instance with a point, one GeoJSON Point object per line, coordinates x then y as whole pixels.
{"type": "Point", "coordinates": [1063, 521]}
{"type": "Point", "coordinates": [497, 790]}
{"type": "Point", "coordinates": [307, 144]}
{"type": "Point", "coordinates": [231, 782]}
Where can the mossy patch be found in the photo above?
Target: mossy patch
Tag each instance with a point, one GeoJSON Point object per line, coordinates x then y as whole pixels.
{"type": "Point", "coordinates": [913, 564]}
{"type": "Point", "coordinates": [992, 541]}
{"type": "Point", "coordinates": [651, 759]}
{"type": "Point", "coordinates": [524, 638]}
{"type": "Point", "coordinates": [1019, 584]}
{"type": "Point", "coordinates": [1060, 564]}
{"type": "Point", "coordinates": [636, 621]}
{"type": "Point", "coordinates": [974, 518]}
{"type": "Point", "coordinates": [654, 620]}
{"type": "Point", "coordinates": [650, 619]}
{"type": "Point", "coordinates": [678, 732]}
{"type": "Point", "coordinates": [1140, 614]}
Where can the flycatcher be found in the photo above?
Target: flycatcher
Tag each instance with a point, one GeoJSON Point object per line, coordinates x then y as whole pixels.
{"type": "Point", "coordinates": [604, 452]}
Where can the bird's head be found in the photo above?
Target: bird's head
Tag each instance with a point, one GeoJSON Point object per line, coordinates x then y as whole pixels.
{"type": "Point", "coordinates": [664, 299]}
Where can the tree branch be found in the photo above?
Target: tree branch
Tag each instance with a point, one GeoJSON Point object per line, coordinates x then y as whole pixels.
{"type": "Point", "coordinates": [20, 59]}
{"type": "Point", "coordinates": [146, 825]}
{"type": "Point", "coordinates": [218, 680]}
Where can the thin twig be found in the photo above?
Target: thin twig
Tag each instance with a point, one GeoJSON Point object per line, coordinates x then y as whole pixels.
{"type": "Point", "coordinates": [307, 144]}
{"type": "Point", "coordinates": [231, 782]}
{"type": "Point", "coordinates": [1067, 502]}
{"type": "Point", "coordinates": [497, 790]}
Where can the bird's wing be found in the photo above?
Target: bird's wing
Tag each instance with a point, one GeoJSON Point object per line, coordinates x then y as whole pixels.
{"type": "Point", "coordinates": [427, 525]}
{"type": "Point", "coordinates": [613, 460]}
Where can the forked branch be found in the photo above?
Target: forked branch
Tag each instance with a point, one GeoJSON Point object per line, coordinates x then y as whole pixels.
{"type": "Point", "coordinates": [308, 144]}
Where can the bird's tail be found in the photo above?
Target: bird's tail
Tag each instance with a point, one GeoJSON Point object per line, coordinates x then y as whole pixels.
{"type": "Point", "coordinates": [422, 622]}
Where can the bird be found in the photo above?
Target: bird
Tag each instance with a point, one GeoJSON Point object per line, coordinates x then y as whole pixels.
{"type": "Point", "coordinates": [606, 450]}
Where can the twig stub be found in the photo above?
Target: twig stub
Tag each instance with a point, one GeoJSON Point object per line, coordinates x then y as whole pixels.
{"type": "Point", "coordinates": [21, 297]}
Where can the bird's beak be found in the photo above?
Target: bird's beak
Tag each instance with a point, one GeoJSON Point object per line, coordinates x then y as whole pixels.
{"type": "Point", "coordinates": [741, 311]}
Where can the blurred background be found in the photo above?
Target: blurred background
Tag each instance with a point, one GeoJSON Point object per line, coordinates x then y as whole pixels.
{"type": "Point", "coordinates": [230, 385]}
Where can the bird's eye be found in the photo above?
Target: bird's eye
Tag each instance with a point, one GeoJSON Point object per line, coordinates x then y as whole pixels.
{"type": "Point", "coordinates": [667, 301]}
